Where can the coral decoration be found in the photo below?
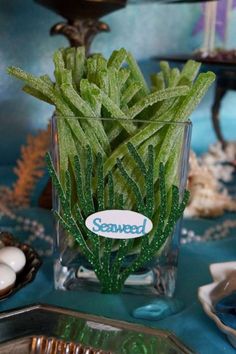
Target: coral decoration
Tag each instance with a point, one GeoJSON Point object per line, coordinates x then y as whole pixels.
{"type": "Point", "coordinates": [208, 197]}
{"type": "Point", "coordinates": [221, 162]}
{"type": "Point", "coordinates": [29, 169]}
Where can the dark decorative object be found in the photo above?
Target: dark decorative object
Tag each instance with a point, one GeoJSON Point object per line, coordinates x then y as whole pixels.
{"type": "Point", "coordinates": [29, 272]}
{"type": "Point", "coordinates": [81, 31]}
{"type": "Point", "coordinates": [82, 18]}
{"type": "Point", "coordinates": [43, 329]}
{"type": "Point", "coordinates": [226, 80]}
{"type": "Point", "coordinates": [218, 55]}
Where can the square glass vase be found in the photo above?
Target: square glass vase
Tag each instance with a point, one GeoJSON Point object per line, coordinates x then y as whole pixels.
{"type": "Point", "coordinates": [118, 195]}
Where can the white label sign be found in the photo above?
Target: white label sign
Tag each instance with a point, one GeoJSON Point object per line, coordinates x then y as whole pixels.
{"type": "Point", "coordinates": [120, 224]}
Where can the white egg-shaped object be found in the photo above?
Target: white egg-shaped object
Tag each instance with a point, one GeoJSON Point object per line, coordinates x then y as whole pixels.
{"type": "Point", "coordinates": [13, 257]}
{"type": "Point", "coordinates": [7, 278]}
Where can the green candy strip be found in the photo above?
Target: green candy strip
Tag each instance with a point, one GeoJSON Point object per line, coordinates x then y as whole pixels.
{"type": "Point", "coordinates": [174, 77]}
{"type": "Point", "coordinates": [165, 68]}
{"type": "Point", "coordinates": [123, 76]}
{"type": "Point", "coordinates": [85, 110]}
{"type": "Point", "coordinates": [155, 97]}
{"type": "Point", "coordinates": [190, 71]}
{"type": "Point", "coordinates": [40, 85]}
{"type": "Point", "coordinates": [93, 98]}
{"type": "Point", "coordinates": [136, 73]}
{"type": "Point", "coordinates": [59, 65]}
{"type": "Point", "coordinates": [117, 58]}
{"type": "Point", "coordinates": [158, 82]}
{"type": "Point", "coordinates": [130, 92]}
{"type": "Point", "coordinates": [116, 112]}
{"type": "Point", "coordinates": [114, 90]}
{"type": "Point", "coordinates": [37, 94]}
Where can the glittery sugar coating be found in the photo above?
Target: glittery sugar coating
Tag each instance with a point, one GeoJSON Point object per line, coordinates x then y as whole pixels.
{"type": "Point", "coordinates": [97, 191]}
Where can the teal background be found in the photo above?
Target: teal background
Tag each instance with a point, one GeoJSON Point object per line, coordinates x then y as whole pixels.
{"type": "Point", "coordinates": [147, 30]}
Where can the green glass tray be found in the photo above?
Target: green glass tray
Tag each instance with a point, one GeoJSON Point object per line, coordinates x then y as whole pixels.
{"type": "Point", "coordinates": [43, 329]}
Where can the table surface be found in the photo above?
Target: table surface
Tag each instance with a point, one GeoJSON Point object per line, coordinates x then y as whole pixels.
{"type": "Point", "coordinates": [191, 325]}
{"type": "Point", "coordinates": [214, 64]}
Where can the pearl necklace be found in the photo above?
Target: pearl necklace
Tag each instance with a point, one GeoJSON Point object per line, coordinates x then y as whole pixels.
{"type": "Point", "coordinates": [214, 233]}
{"type": "Point", "coordinates": [34, 228]}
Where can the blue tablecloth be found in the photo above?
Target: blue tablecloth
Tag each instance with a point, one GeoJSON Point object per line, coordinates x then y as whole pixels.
{"type": "Point", "coordinates": [191, 325]}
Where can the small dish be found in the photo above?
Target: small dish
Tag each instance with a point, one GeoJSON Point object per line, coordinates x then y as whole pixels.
{"type": "Point", "coordinates": [30, 269]}
{"type": "Point", "coordinates": [224, 283]}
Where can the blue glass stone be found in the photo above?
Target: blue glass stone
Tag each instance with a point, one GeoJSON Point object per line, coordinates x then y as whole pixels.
{"type": "Point", "coordinates": [158, 309]}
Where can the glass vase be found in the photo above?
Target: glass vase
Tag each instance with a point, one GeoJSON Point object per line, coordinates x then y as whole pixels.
{"type": "Point", "coordinates": [118, 203]}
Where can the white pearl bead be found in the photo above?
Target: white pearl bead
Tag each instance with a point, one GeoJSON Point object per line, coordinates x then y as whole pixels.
{"type": "Point", "coordinates": [7, 277]}
{"type": "Point", "coordinates": [13, 257]}
{"type": "Point", "coordinates": [191, 233]}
